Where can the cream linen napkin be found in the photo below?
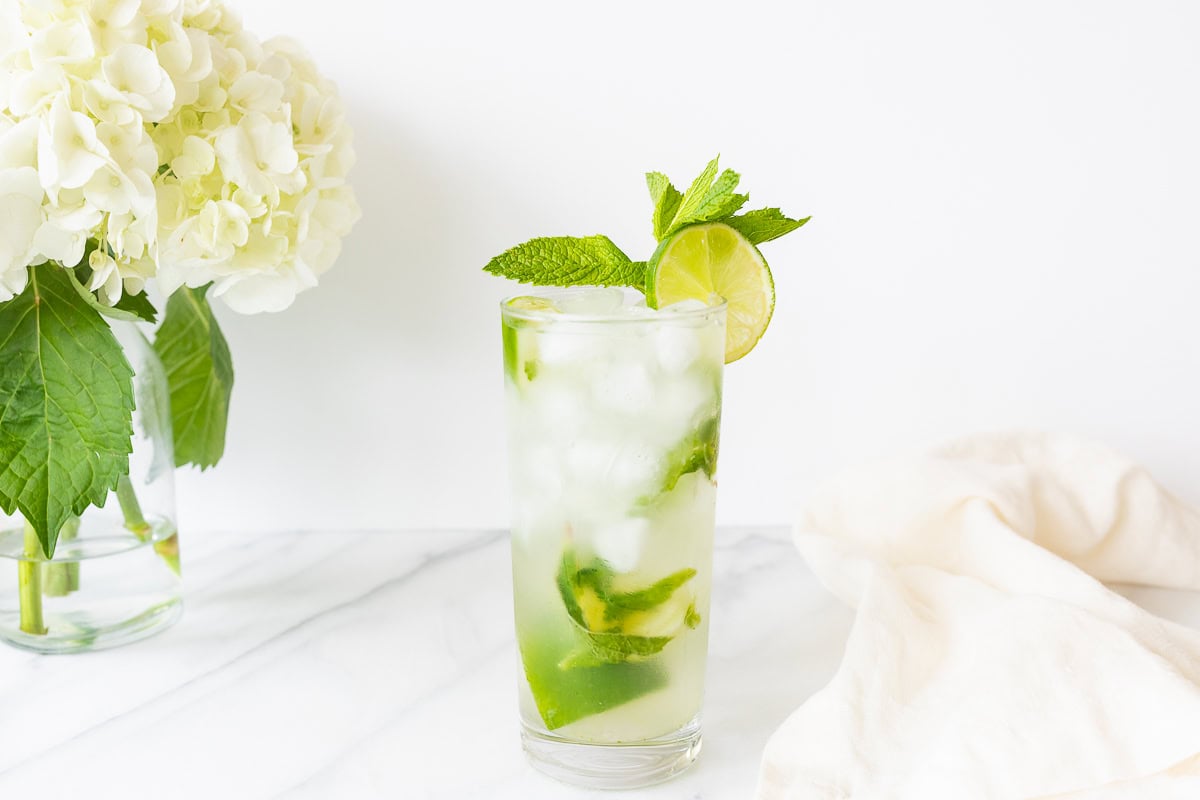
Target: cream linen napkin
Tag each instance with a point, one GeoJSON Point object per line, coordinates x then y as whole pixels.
{"type": "Point", "coordinates": [987, 660]}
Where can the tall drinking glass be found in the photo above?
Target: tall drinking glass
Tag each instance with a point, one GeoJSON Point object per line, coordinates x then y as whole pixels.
{"type": "Point", "coordinates": [613, 418]}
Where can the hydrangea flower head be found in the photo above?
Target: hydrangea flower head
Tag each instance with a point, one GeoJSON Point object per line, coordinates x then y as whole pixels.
{"type": "Point", "coordinates": [183, 148]}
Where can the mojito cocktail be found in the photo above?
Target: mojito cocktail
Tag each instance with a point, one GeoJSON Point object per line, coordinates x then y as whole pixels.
{"type": "Point", "coordinates": [614, 418]}
{"type": "Point", "coordinates": [614, 404]}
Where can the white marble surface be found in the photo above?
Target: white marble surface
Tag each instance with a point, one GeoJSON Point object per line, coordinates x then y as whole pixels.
{"type": "Point", "coordinates": [360, 665]}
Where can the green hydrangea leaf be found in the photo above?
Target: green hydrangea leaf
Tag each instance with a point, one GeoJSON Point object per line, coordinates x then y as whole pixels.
{"type": "Point", "coordinates": [137, 306]}
{"type": "Point", "coordinates": [764, 224]}
{"type": "Point", "coordinates": [66, 405]}
{"type": "Point", "coordinates": [569, 261]}
{"type": "Point", "coordinates": [200, 375]}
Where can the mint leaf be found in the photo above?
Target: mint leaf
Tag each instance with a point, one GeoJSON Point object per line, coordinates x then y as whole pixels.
{"type": "Point", "coordinates": [200, 373]}
{"type": "Point", "coordinates": [575, 670]}
{"type": "Point", "coordinates": [130, 308]}
{"type": "Point", "coordinates": [619, 606]}
{"type": "Point", "coordinates": [652, 596]}
{"type": "Point", "coordinates": [618, 648]}
{"type": "Point", "coordinates": [764, 224]}
{"type": "Point", "coordinates": [66, 405]}
{"type": "Point", "coordinates": [693, 198]}
{"type": "Point", "coordinates": [698, 451]}
{"type": "Point", "coordinates": [717, 203]}
{"type": "Point", "coordinates": [666, 199]}
{"type": "Point", "coordinates": [602, 614]}
{"type": "Point", "coordinates": [569, 261]}
{"type": "Point", "coordinates": [711, 197]}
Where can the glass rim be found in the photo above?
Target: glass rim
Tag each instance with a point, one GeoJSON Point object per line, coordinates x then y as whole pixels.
{"type": "Point", "coordinates": [551, 292]}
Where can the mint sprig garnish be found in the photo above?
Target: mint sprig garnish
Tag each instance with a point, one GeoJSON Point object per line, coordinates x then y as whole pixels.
{"type": "Point", "coordinates": [710, 198]}
{"type": "Point", "coordinates": [597, 261]}
{"type": "Point", "coordinates": [764, 225]}
{"type": "Point", "coordinates": [569, 261]}
{"type": "Point", "coordinates": [666, 199]}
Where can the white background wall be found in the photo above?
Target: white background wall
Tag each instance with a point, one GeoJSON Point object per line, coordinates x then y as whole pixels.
{"type": "Point", "coordinates": [1006, 201]}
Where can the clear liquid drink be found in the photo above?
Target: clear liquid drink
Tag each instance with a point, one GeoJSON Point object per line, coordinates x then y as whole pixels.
{"type": "Point", "coordinates": [614, 419]}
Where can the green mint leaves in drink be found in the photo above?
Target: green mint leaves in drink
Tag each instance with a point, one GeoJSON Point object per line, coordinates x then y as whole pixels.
{"type": "Point", "coordinates": [606, 658]}
{"type": "Point", "coordinates": [619, 626]}
{"type": "Point", "coordinates": [696, 452]}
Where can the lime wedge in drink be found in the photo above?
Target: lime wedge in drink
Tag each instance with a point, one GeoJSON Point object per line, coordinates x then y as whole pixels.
{"type": "Point", "coordinates": [702, 260]}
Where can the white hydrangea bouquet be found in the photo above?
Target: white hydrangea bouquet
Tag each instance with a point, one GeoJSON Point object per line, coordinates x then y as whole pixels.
{"type": "Point", "coordinates": [145, 142]}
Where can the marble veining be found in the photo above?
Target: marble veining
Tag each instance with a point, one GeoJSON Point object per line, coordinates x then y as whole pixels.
{"type": "Point", "coordinates": [364, 665]}
{"type": "Point", "coordinates": [361, 665]}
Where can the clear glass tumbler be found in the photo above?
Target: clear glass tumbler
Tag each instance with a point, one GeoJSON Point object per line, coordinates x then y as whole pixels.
{"type": "Point", "coordinates": [614, 419]}
{"type": "Point", "coordinates": [114, 577]}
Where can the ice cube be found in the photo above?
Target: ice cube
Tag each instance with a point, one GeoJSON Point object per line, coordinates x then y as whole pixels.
{"type": "Point", "coordinates": [679, 403]}
{"type": "Point", "coordinates": [555, 406]}
{"type": "Point", "coordinates": [592, 302]}
{"type": "Point", "coordinates": [614, 470]}
{"type": "Point", "coordinates": [635, 468]}
{"type": "Point", "coordinates": [588, 461]}
{"type": "Point", "coordinates": [538, 470]}
{"type": "Point", "coordinates": [570, 344]}
{"type": "Point", "coordinates": [677, 347]}
{"type": "Point", "coordinates": [621, 543]}
{"type": "Point", "coordinates": [684, 306]}
{"type": "Point", "coordinates": [624, 386]}
{"type": "Point", "coordinates": [536, 517]}
{"type": "Point", "coordinates": [635, 306]}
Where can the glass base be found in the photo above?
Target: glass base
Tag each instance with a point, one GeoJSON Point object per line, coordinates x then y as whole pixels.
{"type": "Point", "coordinates": [84, 637]}
{"type": "Point", "coordinates": [612, 766]}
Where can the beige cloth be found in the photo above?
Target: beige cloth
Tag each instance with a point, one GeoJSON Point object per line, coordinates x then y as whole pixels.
{"type": "Point", "coordinates": [987, 660]}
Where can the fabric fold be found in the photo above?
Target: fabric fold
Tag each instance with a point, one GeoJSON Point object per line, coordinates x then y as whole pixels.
{"type": "Point", "coordinates": [988, 659]}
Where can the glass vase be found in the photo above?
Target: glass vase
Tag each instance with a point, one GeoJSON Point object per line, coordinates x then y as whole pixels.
{"type": "Point", "coordinates": [114, 577]}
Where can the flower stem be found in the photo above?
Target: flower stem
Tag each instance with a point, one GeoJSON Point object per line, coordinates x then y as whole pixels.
{"type": "Point", "coordinates": [29, 580]}
{"type": "Point", "coordinates": [131, 508]}
{"type": "Point", "coordinates": [135, 521]}
{"type": "Point", "coordinates": [60, 578]}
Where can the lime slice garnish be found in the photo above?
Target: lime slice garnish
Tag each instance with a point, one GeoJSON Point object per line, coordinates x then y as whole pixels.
{"type": "Point", "coordinates": [701, 260]}
{"type": "Point", "coordinates": [531, 303]}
